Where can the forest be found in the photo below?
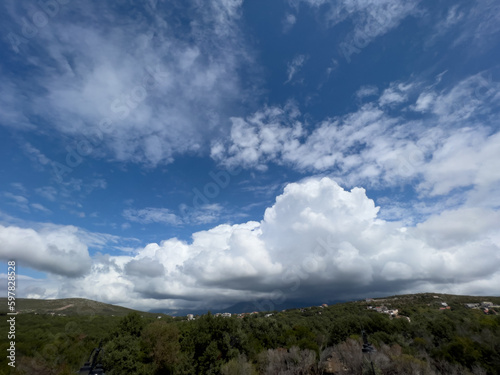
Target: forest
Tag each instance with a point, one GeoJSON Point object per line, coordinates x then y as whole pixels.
{"type": "Point", "coordinates": [425, 338]}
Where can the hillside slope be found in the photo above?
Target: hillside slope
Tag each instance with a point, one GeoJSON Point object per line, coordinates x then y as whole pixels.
{"type": "Point", "coordinates": [65, 307]}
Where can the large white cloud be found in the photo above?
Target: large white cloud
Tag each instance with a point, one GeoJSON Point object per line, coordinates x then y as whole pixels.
{"type": "Point", "coordinates": [317, 242]}
{"type": "Point", "coordinates": [52, 249]}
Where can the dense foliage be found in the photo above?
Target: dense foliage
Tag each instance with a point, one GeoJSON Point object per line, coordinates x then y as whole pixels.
{"type": "Point", "coordinates": [303, 341]}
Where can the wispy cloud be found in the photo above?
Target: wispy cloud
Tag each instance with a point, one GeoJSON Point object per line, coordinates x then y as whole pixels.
{"type": "Point", "coordinates": [474, 23]}
{"type": "Point", "coordinates": [370, 19]}
{"type": "Point", "coordinates": [130, 91]}
{"type": "Point", "coordinates": [204, 214]}
{"type": "Point", "coordinates": [288, 22]}
{"type": "Point", "coordinates": [151, 215]}
{"type": "Point", "coordinates": [18, 201]}
{"type": "Point", "coordinates": [294, 66]}
{"type": "Point", "coordinates": [366, 91]}
{"type": "Point", "coordinates": [375, 146]}
{"type": "Point", "coordinates": [41, 208]}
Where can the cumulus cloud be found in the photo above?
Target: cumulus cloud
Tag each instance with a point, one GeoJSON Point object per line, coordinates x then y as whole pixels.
{"type": "Point", "coordinates": [318, 241]}
{"type": "Point", "coordinates": [144, 267]}
{"type": "Point", "coordinates": [52, 249]}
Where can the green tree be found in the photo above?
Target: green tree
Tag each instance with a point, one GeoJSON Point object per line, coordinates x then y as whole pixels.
{"type": "Point", "coordinates": [161, 345]}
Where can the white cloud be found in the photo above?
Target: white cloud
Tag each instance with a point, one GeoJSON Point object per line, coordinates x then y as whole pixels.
{"type": "Point", "coordinates": [260, 138]}
{"type": "Point", "coordinates": [204, 214]}
{"type": "Point", "coordinates": [18, 201]}
{"type": "Point", "coordinates": [469, 98]}
{"type": "Point", "coordinates": [370, 18]}
{"type": "Point", "coordinates": [424, 102]}
{"type": "Point", "coordinates": [34, 154]}
{"type": "Point", "coordinates": [151, 215]}
{"type": "Point", "coordinates": [395, 94]}
{"type": "Point", "coordinates": [288, 22]}
{"type": "Point", "coordinates": [47, 192]}
{"type": "Point", "coordinates": [40, 207]}
{"type": "Point", "coordinates": [132, 90]}
{"type": "Point", "coordinates": [52, 249]}
{"type": "Point", "coordinates": [317, 241]}
{"type": "Point", "coordinates": [294, 66]}
{"type": "Point", "coordinates": [454, 144]}
{"type": "Point", "coordinates": [470, 157]}
{"type": "Point", "coordinates": [366, 91]}
{"type": "Point", "coordinates": [475, 24]}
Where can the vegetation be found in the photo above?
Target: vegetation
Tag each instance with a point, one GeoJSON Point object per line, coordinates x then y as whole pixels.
{"type": "Point", "coordinates": [66, 307]}
{"type": "Point", "coordinates": [314, 340]}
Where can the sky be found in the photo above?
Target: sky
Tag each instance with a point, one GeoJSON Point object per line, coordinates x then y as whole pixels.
{"type": "Point", "coordinates": [195, 154]}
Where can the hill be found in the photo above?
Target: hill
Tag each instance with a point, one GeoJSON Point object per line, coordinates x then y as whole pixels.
{"type": "Point", "coordinates": [66, 307]}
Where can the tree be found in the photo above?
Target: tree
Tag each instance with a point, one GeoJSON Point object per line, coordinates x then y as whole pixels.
{"type": "Point", "coordinates": [287, 362]}
{"type": "Point", "coordinates": [131, 324]}
{"type": "Point", "coordinates": [161, 344]}
{"type": "Point", "coordinates": [237, 366]}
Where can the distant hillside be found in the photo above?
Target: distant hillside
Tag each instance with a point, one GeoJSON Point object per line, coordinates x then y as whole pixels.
{"type": "Point", "coordinates": [243, 307]}
{"type": "Point", "coordinates": [430, 299]}
{"type": "Point", "coordinates": [66, 306]}
{"type": "Point", "coordinates": [397, 301]}
{"type": "Point", "coordinates": [81, 306]}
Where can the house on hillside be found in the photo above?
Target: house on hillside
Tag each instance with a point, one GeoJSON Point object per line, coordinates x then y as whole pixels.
{"type": "Point", "coordinates": [392, 313]}
{"type": "Point", "coordinates": [472, 305]}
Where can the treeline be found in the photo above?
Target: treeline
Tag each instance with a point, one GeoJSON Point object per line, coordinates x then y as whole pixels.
{"type": "Point", "coordinates": [309, 341]}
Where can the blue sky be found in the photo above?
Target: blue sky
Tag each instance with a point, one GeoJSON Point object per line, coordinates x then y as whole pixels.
{"type": "Point", "coordinates": [197, 154]}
